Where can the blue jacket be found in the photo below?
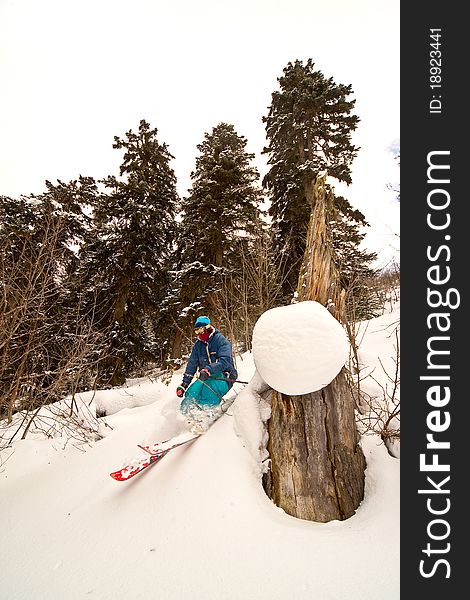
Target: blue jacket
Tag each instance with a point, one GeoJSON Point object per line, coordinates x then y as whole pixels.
{"type": "Point", "coordinates": [215, 356]}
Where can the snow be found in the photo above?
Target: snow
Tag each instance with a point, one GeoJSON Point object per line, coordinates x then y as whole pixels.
{"type": "Point", "coordinates": [197, 525]}
{"type": "Point", "coordinates": [299, 348]}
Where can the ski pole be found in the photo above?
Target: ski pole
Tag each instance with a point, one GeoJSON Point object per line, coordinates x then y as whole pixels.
{"type": "Point", "coordinates": [213, 391]}
{"type": "Point", "coordinates": [220, 379]}
{"type": "Point", "coordinates": [231, 380]}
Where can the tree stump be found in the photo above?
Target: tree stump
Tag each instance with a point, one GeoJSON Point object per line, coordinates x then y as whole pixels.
{"type": "Point", "coordinates": [317, 466]}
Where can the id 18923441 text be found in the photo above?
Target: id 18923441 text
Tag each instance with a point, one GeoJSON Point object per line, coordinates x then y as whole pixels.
{"type": "Point", "coordinates": [435, 71]}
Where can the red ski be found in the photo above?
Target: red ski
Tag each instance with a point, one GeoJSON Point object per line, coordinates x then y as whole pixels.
{"type": "Point", "coordinates": [138, 465]}
{"type": "Point", "coordinates": [156, 452]}
{"type": "Point", "coordinates": [162, 447]}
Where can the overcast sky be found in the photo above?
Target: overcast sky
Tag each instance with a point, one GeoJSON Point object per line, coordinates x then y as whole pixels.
{"type": "Point", "coordinates": [75, 74]}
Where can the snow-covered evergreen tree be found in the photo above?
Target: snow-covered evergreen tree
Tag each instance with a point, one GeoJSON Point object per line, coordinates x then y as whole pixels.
{"type": "Point", "coordinates": [221, 211]}
{"type": "Point", "coordinates": [126, 265]}
{"type": "Point", "coordinates": [355, 274]}
{"type": "Point", "coordinates": [309, 128]}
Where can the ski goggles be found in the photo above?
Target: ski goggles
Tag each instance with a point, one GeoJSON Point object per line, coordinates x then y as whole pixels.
{"type": "Point", "coordinates": [199, 330]}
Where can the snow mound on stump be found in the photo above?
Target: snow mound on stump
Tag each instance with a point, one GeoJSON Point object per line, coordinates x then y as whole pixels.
{"type": "Point", "coordinates": [299, 348]}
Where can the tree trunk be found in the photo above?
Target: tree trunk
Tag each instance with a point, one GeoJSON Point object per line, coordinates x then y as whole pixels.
{"type": "Point", "coordinates": [117, 377]}
{"type": "Point", "coordinates": [111, 368]}
{"type": "Point", "coordinates": [177, 343]}
{"type": "Point", "coordinates": [317, 465]}
{"type": "Point", "coordinates": [121, 302]}
{"type": "Point", "coordinates": [219, 255]}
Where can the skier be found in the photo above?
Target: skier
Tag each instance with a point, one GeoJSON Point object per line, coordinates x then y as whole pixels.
{"type": "Point", "coordinates": [212, 356]}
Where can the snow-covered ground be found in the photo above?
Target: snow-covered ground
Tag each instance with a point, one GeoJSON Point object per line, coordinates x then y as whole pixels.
{"type": "Point", "coordinates": [197, 525]}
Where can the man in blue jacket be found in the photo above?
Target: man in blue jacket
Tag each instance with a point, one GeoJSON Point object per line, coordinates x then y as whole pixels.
{"type": "Point", "coordinates": [212, 357]}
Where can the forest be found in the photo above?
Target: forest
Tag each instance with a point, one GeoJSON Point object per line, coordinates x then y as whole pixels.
{"type": "Point", "coordinates": [102, 279]}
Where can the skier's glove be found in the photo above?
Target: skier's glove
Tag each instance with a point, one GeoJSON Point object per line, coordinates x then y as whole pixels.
{"type": "Point", "coordinates": [204, 374]}
{"type": "Point", "coordinates": [180, 391]}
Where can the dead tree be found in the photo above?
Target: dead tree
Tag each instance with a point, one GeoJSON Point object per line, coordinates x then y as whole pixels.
{"type": "Point", "coordinates": [317, 465]}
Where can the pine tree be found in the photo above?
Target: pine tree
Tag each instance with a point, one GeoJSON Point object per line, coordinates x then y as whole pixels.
{"type": "Point", "coordinates": [309, 128]}
{"type": "Point", "coordinates": [222, 209]}
{"type": "Point", "coordinates": [223, 200]}
{"type": "Point", "coordinates": [126, 265]}
{"type": "Point", "coordinates": [355, 274]}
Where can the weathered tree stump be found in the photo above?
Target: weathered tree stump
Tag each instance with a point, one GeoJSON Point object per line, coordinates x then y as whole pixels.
{"type": "Point", "coordinates": [317, 466]}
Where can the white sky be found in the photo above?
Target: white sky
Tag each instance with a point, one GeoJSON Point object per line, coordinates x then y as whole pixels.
{"type": "Point", "coordinates": [74, 75]}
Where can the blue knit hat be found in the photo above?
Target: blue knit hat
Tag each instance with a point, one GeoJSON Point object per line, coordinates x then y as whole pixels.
{"type": "Point", "coordinates": [202, 322]}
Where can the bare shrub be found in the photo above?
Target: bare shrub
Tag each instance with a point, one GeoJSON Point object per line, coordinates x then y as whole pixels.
{"type": "Point", "coordinates": [386, 285]}
{"type": "Point", "coordinates": [74, 422]}
{"type": "Point", "coordinates": [378, 413]}
{"type": "Point", "coordinates": [48, 348]}
{"type": "Point", "coordinates": [246, 294]}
